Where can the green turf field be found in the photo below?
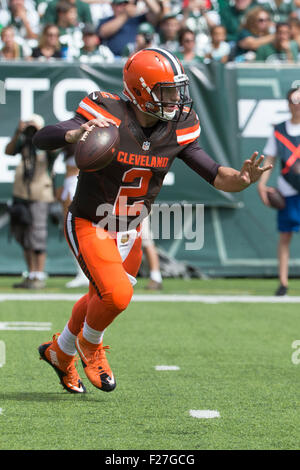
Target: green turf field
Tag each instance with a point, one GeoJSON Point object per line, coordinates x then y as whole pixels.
{"type": "Point", "coordinates": [235, 358]}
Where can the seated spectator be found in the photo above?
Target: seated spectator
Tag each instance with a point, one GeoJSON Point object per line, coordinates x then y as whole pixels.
{"type": "Point", "coordinates": [232, 16]}
{"type": "Point", "coordinates": [200, 16]}
{"type": "Point", "coordinates": [26, 22]}
{"type": "Point", "coordinates": [10, 50]}
{"type": "Point", "coordinates": [168, 30]}
{"type": "Point", "coordinates": [49, 45]}
{"type": "Point", "coordinates": [121, 28]}
{"type": "Point", "coordinates": [218, 49]}
{"type": "Point", "coordinates": [145, 38]}
{"type": "Point", "coordinates": [255, 32]}
{"type": "Point", "coordinates": [83, 12]}
{"type": "Point", "coordinates": [92, 51]}
{"type": "Point", "coordinates": [70, 35]}
{"type": "Point", "coordinates": [279, 10]}
{"type": "Point", "coordinates": [187, 51]}
{"type": "Point", "coordinates": [282, 49]}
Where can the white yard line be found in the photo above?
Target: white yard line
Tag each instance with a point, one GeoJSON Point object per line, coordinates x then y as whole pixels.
{"type": "Point", "coordinates": [211, 299]}
{"type": "Point", "coordinates": [167, 368]}
{"type": "Point", "coordinates": [206, 414]}
{"type": "Point", "coordinates": [25, 326]}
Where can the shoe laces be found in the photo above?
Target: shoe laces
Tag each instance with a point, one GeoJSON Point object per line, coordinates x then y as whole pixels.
{"type": "Point", "coordinates": [72, 371]}
{"type": "Point", "coordinates": [99, 356]}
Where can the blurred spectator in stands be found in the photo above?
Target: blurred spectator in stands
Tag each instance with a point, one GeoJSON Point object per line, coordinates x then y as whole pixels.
{"type": "Point", "coordinates": [255, 32]}
{"type": "Point", "coordinates": [25, 21]}
{"type": "Point", "coordinates": [281, 49]}
{"type": "Point", "coordinates": [41, 6]}
{"type": "Point", "coordinates": [83, 12]}
{"type": "Point", "coordinates": [218, 49]}
{"type": "Point", "coordinates": [49, 46]}
{"type": "Point", "coordinates": [121, 28]}
{"type": "Point", "coordinates": [32, 193]}
{"type": "Point", "coordinates": [4, 14]}
{"type": "Point", "coordinates": [168, 30]}
{"type": "Point", "coordinates": [172, 6]}
{"type": "Point", "coordinates": [70, 34]}
{"type": "Point", "coordinates": [232, 16]}
{"type": "Point", "coordinates": [145, 38]}
{"type": "Point", "coordinates": [200, 16]}
{"type": "Point", "coordinates": [92, 51]}
{"type": "Point", "coordinates": [187, 50]}
{"type": "Point", "coordinates": [99, 9]}
{"type": "Point", "coordinates": [279, 10]}
{"type": "Point", "coordinates": [294, 24]}
{"type": "Point", "coordinates": [10, 50]}
{"type": "Point", "coordinates": [297, 5]}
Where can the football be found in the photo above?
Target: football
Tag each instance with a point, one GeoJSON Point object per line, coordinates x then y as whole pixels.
{"type": "Point", "coordinates": [276, 199]}
{"type": "Point", "coordinates": [97, 147]}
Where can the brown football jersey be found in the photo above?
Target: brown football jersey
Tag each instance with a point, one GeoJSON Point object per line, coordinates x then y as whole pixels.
{"type": "Point", "coordinates": [128, 186]}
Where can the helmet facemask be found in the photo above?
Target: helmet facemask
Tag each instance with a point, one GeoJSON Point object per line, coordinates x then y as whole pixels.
{"type": "Point", "coordinates": [170, 100]}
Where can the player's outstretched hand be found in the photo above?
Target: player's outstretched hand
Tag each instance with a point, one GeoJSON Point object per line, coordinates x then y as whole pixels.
{"type": "Point", "coordinates": [251, 170]}
{"type": "Point", "coordinates": [74, 135]}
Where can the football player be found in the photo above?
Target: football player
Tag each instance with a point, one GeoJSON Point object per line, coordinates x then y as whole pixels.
{"type": "Point", "coordinates": [156, 124]}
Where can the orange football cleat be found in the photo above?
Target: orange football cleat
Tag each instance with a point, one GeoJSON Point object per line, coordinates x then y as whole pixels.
{"type": "Point", "coordinates": [95, 364]}
{"type": "Point", "coordinates": [63, 364]}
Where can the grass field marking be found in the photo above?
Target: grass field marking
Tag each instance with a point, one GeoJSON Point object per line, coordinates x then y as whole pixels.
{"type": "Point", "coordinates": [215, 299]}
{"type": "Point", "coordinates": [295, 356]}
{"type": "Point", "coordinates": [25, 326]}
{"type": "Point", "coordinates": [41, 296]}
{"type": "Point", "coordinates": [204, 414]}
{"type": "Point", "coordinates": [167, 368]}
{"type": "Point", "coordinates": [207, 299]}
{"type": "Point", "coordinates": [2, 353]}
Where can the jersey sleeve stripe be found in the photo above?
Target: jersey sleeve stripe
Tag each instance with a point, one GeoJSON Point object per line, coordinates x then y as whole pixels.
{"type": "Point", "coordinates": [96, 111]}
{"type": "Point", "coordinates": [188, 130]}
{"type": "Point", "coordinates": [85, 113]}
{"type": "Point", "coordinates": [188, 138]}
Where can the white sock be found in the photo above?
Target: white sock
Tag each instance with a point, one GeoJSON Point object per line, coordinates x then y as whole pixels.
{"type": "Point", "coordinates": [66, 342]}
{"type": "Point", "coordinates": [91, 335]}
{"type": "Point", "coordinates": [40, 275]}
{"type": "Point", "coordinates": [156, 276]}
{"type": "Point", "coordinates": [31, 275]}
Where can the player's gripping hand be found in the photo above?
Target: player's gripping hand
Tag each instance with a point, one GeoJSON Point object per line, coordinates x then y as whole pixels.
{"type": "Point", "coordinates": [74, 135]}
{"type": "Point", "coordinates": [251, 170]}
